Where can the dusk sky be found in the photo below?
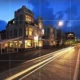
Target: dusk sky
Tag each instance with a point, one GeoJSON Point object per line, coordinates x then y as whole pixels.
{"type": "Point", "coordinates": [51, 11]}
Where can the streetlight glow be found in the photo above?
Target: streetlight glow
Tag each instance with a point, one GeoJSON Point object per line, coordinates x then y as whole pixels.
{"type": "Point", "coordinates": [60, 23]}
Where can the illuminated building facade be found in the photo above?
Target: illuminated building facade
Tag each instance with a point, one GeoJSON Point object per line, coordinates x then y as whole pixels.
{"type": "Point", "coordinates": [70, 35]}
{"type": "Point", "coordinates": [24, 31]}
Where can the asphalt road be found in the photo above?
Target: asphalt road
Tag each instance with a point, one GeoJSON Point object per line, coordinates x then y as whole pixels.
{"type": "Point", "coordinates": [11, 60]}
{"type": "Point", "coordinates": [61, 68]}
{"type": "Point", "coordinates": [59, 65]}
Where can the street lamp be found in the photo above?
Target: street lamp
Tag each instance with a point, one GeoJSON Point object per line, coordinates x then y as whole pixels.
{"type": "Point", "coordinates": [60, 23]}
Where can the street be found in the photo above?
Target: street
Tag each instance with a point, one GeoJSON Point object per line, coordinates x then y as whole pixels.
{"type": "Point", "coordinates": [11, 60]}
{"type": "Point", "coordinates": [39, 39]}
{"type": "Point", "coordinates": [58, 65]}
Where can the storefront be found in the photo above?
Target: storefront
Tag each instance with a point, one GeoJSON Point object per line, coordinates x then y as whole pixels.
{"type": "Point", "coordinates": [28, 43]}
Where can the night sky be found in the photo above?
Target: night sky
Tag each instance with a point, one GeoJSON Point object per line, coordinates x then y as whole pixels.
{"type": "Point", "coordinates": [51, 11]}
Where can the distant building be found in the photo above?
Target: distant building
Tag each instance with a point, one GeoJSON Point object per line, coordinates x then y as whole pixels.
{"type": "Point", "coordinates": [70, 35]}
{"type": "Point", "coordinates": [50, 35]}
{"type": "Point", "coordinates": [60, 37]}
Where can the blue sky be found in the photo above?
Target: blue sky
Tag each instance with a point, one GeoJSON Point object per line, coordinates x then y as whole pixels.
{"type": "Point", "coordinates": [51, 11]}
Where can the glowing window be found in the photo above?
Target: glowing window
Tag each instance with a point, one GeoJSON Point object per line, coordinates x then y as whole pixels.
{"type": "Point", "coordinates": [28, 43]}
{"type": "Point", "coordinates": [40, 25]}
{"type": "Point", "coordinates": [29, 18]}
{"type": "Point", "coordinates": [20, 44]}
{"type": "Point", "coordinates": [26, 31]}
{"type": "Point", "coordinates": [6, 44]}
{"type": "Point", "coordinates": [11, 44]}
{"type": "Point", "coordinates": [30, 31]}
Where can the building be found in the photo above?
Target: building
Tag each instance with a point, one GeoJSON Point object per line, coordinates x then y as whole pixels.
{"type": "Point", "coordinates": [70, 35]}
{"type": "Point", "coordinates": [3, 35]}
{"type": "Point", "coordinates": [50, 36]}
{"type": "Point", "coordinates": [24, 31]}
{"type": "Point", "coordinates": [60, 37]}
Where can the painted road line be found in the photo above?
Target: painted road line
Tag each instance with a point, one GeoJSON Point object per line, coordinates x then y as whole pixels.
{"type": "Point", "coordinates": [75, 77]}
{"type": "Point", "coordinates": [38, 68]}
{"type": "Point", "coordinates": [41, 66]}
{"type": "Point", "coordinates": [36, 59]}
{"type": "Point", "coordinates": [13, 69]}
{"type": "Point", "coordinates": [46, 55]}
{"type": "Point", "coordinates": [34, 66]}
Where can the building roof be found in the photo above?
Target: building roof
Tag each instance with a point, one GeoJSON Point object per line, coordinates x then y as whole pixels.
{"type": "Point", "coordinates": [25, 10]}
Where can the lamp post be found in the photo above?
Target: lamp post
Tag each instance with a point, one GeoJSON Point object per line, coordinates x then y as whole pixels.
{"type": "Point", "coordinates": [60, 24]}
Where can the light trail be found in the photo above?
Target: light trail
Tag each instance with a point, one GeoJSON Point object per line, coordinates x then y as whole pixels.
{"type": "Point", "coordinates": [40, 64]}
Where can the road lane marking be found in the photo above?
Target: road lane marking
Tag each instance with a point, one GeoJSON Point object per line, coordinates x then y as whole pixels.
{"type": "Point", "coordinates": [46, 55]}
{"type": "Point", "coordinates": [38, 68]}
{"type": "Point", "coordinates": [36, 59]}
{"type": "Point", "coordinates": [75, 77]}
{"type": "Point", "coordinates": [42, 65]}
{"type": "Point", "coordinates": [35, 66]}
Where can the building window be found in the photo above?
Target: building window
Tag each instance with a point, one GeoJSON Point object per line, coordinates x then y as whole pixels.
{"type": "Point", "coordinates": [27, 31]}
{"type": "Point", "coordinates": [51, 30]}
{"type": "Point", "coordinates": [17, 20]}
{"type": "Point", "coordinates": [20, 44]}
{"type": "Point", "coordinates": [29, 18]}
{"type": "Point", "coordinates": [15, 32]}
{"type": "Point", "coordinates": [20, 31]}
{"type": "Point", "coordinates": [6, 45]}
{"type": "Point", "coordinates": [15, 44]}
{"type": "Point", "coordinates": [30, 31]}
{"type": "Point", "coordinates": [40, 25]}
{"type": "Point", "coordinates": [11, 44]}
{"type": "Point", "coordinates": [10, 33]}
{"type": "Point", "coordinates": [21, 19]}
{"type": "Point", "coordinates": [42, 31]}
{"type": "Point", "coordinates": [40, 44]}
{"type": "Point", "coordinates": [28, 44]}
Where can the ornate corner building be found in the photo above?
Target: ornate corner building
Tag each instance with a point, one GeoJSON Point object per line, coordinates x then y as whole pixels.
{"type": "Point", "coordinates": [24, 31]}
{"type": "Point", "coordinates": [24, 27]}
